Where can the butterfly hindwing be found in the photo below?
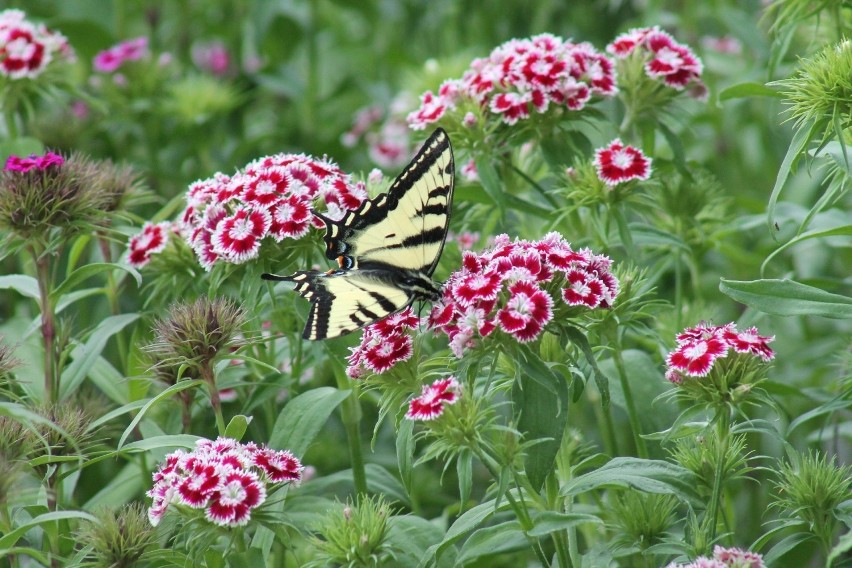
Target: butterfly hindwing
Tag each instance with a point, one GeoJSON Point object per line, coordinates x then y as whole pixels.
{"type": "Point", "coordinates": [344, 301]}
{"type": "Point", "coordinates": [407, 226]}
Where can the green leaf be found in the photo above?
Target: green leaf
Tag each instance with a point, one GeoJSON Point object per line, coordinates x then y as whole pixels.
{"type": "Point", "coordinates": [237, 427]}
{"type": "Point", "coordinates": [121, 488]}
{"type": "Point", "coordinates": [745, 90]}
{"type": "Point", "coordinates": [87, 271]}
{"type": "Point", "coordinates": [504, 537]}
{"type": "Point", "coordinates": [302, 418]}
{"type": "Point", "coordinates": [815, 234]}
{"type": "Point", "coordinates": [115, 413]}
{"type": "Point", "coordinates": [9, 540]}
{"type": "Point", "coordinates": [405, 445]}
{"type": "Point", "coordinates": [490, 180]}
{"type": "Point", "coordinates": [785, 545]}
{"type": "Point", "coordinates": [411, 536]}
{"type": "Point", "coordinates": [541, 401]}
{"type": "Point", "coordinates": [468, 521]}
{"type": "Point", "coordinates": [843, 546]}
{"type": "Point", "coordinates": [20, 283]}
{"type": "Point", "coordinates": [797, 145]}
{"type": "Point", "coordinates": [577, 338]}
{"type": "Point", "coordinates": [831, 406]}
{"type": "Point", "coordinates": [84, 356]}
{"type": "Point", "coordinates": [166, 441]}
{"type": "Point", "coordinates": [464, 470]}
{"type": "Point", "coordinates": [650, 476]}
{"type": "Point", "coordinates": [787, 298]}
{"type": "Point", "coordinates": [20, 146]}
{"type": "Point", "coordinates": [547, 522]}
{"type": "Point", "coordinates": [176, 388]}
{"type": "Point", "coordinates": [25, 551]}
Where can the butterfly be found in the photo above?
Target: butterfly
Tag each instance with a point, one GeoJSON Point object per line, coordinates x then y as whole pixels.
{"type": "Point", "coordinates": [387, 249]}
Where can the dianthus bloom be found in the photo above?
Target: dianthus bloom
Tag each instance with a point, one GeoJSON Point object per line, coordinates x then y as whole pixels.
{"type": "Point", "coordinates": [662, 57]}
{"type": "Point", "coordinates": [515, 286]}
{"type": "Point", "coordinates": [386, 134]}
{"type": "Point", "coordinates": [27, 49]}
{"type": "Point", "coordinates": [432, 400]}
{"type": "Point", "coordinates": [725, 558]}
{"type": "Point", "coordinates": [523, 76]}
{"type": "Point", "coordinates": [152, 239]}
{"type": "Point", "coordinates": [111, 59]}
{"type": "Point", "coordinates": [383, 344]}
{"type": "Point", "coordinates": [700, 346]}
{"type": "Point", "coordinates": [225, 478]}
{"type": "Point", "coordinates": [33, 162]}
{"type": "Point", "coordinates": [228, 217]}
{"type": "Point", "coordinates": [618, 163]}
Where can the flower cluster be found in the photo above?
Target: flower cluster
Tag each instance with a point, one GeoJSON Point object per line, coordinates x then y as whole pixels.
{"type": "Point", "coordinates": [663, 58]}
{"type": "Point", "coordinates": [507, 287]}
{"type": "Point", "coordinates": [725, 558]}
{"type": "Point", "coordinates": [698, 348]}
{"type": "Point", "coordinates": [387, 135]}
{"type": "Point", "coordinates": [33, 162]}
{"type": "Point", "coordinates": [383, 344]}
{"type": "Point", "coordinates": [151, 240]}
{"type": "Point", "coordinates": [618, 163]}
{"type": "Point", "coordinates": [111, 59]}
{"type": "Point", "coordinates": [522, 76]}
{"type": "Point", "coordinates": [27, 49]}
{"type": "Point", "coordinates": [431, 402]}
{"type": "Point", "coordinates": [225, 478]}
{"type": "Point", "coordinates": [227, 217]}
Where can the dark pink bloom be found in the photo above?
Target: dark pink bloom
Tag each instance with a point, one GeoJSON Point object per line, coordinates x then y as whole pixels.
{"type": "Point", "coordinates": [212, 57]}
{"type": "Point", "coordinates": [110, 60]}
{"type": "Point", "coordinates": [476, 287]}
{"type": "Point", "coordinates": [749, 341]}
{"type": "Point", "coordinates": [527, 312]}
{"type": "Point", "coordinates": [291, 217]}
{"type": "Point", "coordinates": [239, 492]}
{"type": "Point", "coordinates": [264, 188]}
{"type": "Point", "coordinates": [583, 289]}
{"type": "Point", "coordinates": [383, 344]}
{"type": "Point", "coordinates": [618, 163]}
{"type": "Point", "coordinates": [430, 404]}
{"type": "Point", "coordinates": [33, 162]}
{"type": "Point", "coordinates": [278, 465]}
{"type": "Point", "coordinates": [431, 109]}
{"type": "Point", "coordinates": [696, 357]}
{"type": "Point", "coordinates": [238, 236]}
{"type": "Point", "coordinates": [512, 106]}
{"type": "Point", "coordinates": [151, 240]}
{"type": "Point", "coordinates": [664, 58]}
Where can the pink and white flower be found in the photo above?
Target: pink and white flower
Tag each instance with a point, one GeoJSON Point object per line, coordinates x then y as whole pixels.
{"type": "Point", "coordinates": [383, 344]}
{"type": "Point", "coordinates": [225, 478]}
{"type": "Point", "coordinates": [700, 346]}
{"type": "Point", "coordinates": [26, 49]}
{"type": "Point", "coordinates": [521, 77]}
{"type": "Point", "coordinates": [237, 237]}
{"type": "Point", "coordinates": [618, 163]}
{"type": "Point", "coordinates": [509, 287]}
{"type": "Point", "coordinates": [433, 398]}
{"type": "Point", "coordinates": [151, 240]}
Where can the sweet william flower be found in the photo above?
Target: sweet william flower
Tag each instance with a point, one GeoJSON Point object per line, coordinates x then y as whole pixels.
{"type": "Point", "coordinates": [618, 163]}
{"type": "Point", "coordinates": [433, 399]}
{"type": "Point", "coordinates": [27, 49]}
{"type": "Point", "coordinates": [383, 345]}
{"type": "Point", "coordinates": [152, 239]}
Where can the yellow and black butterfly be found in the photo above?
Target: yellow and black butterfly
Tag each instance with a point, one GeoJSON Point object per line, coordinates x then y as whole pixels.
{"type": "Point", "coordinates": [387, 249]}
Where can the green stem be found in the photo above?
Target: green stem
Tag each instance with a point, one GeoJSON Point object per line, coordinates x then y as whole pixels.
{"type": "Point", "coordinates": [678, 299]}
{"type": "Point", "coordinates": [606, 425]}
{"type": "Point", "coordinates": [632, 415]}
{"type": "Point", "coordinates": [48, 325]}
{"type": "Point", "coordinates": [723, 427]}
{"type": "Point", "coordinates": [11, 122]}
{"type": "Point", "coordinates": [560, 540]}
{"type": "Point", "coordinates": [206, 372]}
{"type": "Point", "coordinates": [350, 412]}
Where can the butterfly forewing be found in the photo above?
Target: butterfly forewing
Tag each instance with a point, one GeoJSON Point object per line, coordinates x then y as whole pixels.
{"type": "Point", "coordinates": [406, 227]}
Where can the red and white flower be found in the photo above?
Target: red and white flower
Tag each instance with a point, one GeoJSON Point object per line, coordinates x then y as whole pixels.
{"type": "Point", "coordinates": [522, 77]}
{"type": "Point", "coordinates": [698, 348]}
{"type": "Point", "coordinates": [506, 288]}
{"type": "Point", "coordinates": [383, 344]}
{"type": "Point", "coordinates": [618, 163]}
{"type": "Point", "coordinates": [237, 237]}
{"type": "Point", "coordinates": [224, 477]}
{"type": "Point", "coordinates": [151, 240]}
{"type": "Point", "coordinates": [675, 64]}
{"type": "Point", "coordinates": [26, 49]}
{"type": "Point", "coordinates": [430, 404]}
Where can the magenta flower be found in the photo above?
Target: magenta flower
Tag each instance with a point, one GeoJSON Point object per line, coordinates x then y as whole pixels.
{"type": "Point", "coordinates": [383, 344]}
{"type": "Point", "coordinates": [433, 398]}
{"type": "Point", "coordinates": [212, 57]}
{"type": "Point", "coordinates": [27, 49]}
{"type": "Point", "coordinates": [224, 477]}
{"type": "Point", "coordinates": [509, 287]}
{"type": "Point", "coordinates": [110, 60]}
{"type": "Point", "coordinates": [523, 76]}
{"type": "Point", "coordinates": [618, 163]}
{"type": "Point", "coordinates": [151, 240]}
{"type": "Point", "coordinates": [699, 347]}
{"type": "Point", "coordinates": [665, 59]}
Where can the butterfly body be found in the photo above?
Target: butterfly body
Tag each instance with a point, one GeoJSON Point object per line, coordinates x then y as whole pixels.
{"type": "Point", "coordinates": [387, 249]}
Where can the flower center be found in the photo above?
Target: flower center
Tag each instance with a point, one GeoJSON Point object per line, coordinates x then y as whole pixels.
{"type": "Point", "coordinates": [621, 159]}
